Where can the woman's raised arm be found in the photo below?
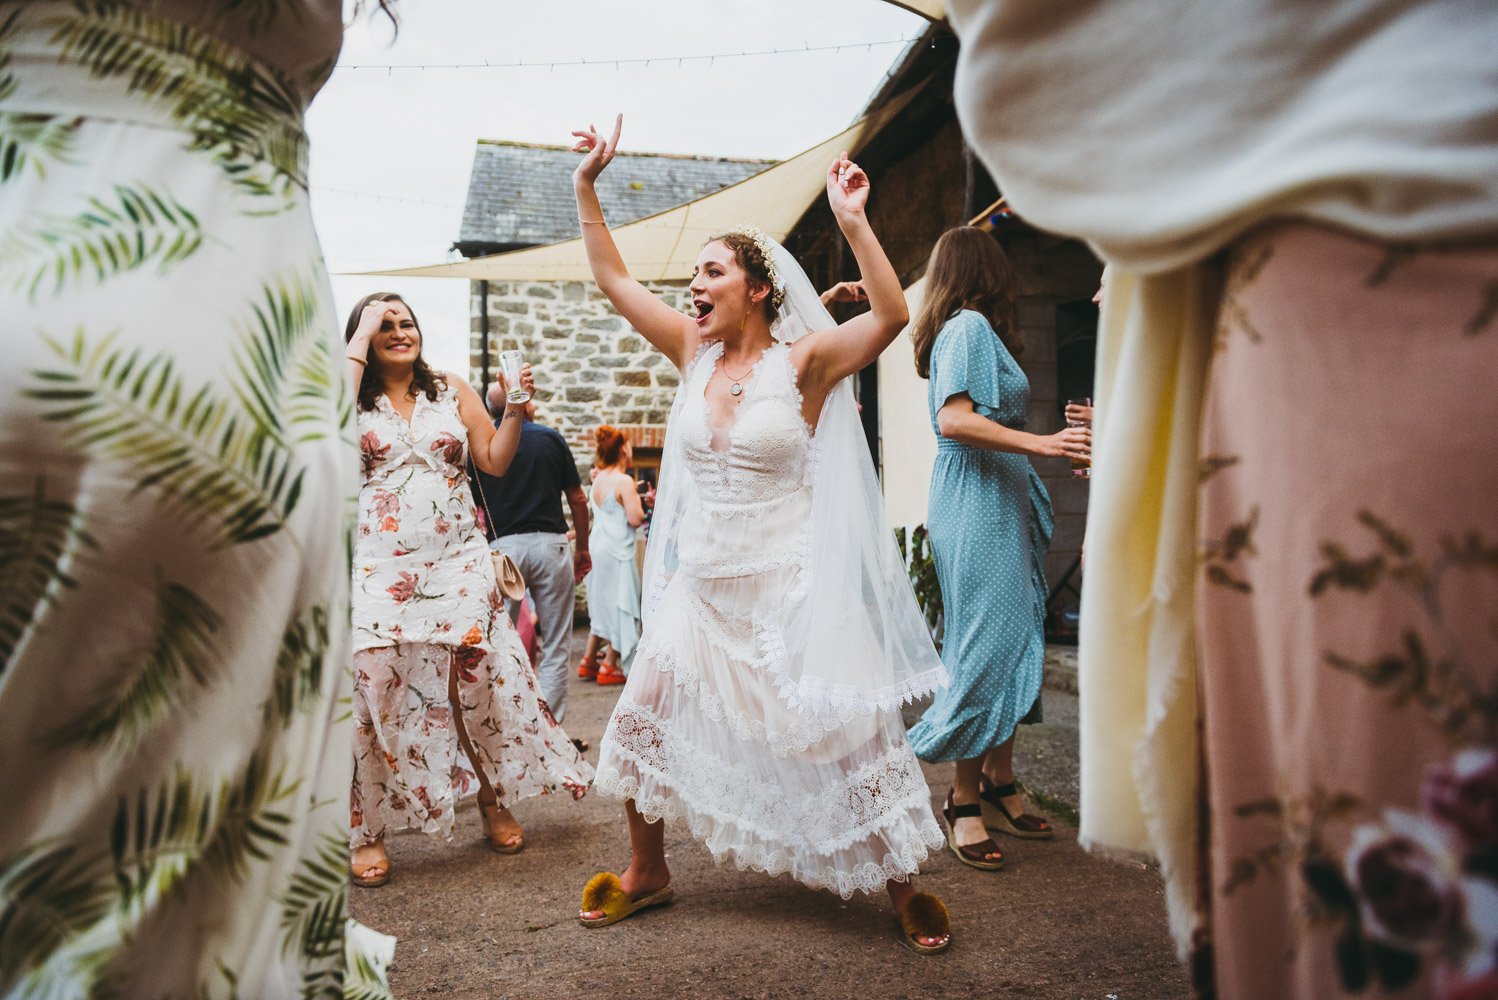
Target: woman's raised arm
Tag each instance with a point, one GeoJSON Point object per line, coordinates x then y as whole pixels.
{"type": "Point", "coordinates": [492, 447]}
{"type": "Point", "coordinates": [670, 332]}
{"type": "Point", "coordinates": [829, 356]}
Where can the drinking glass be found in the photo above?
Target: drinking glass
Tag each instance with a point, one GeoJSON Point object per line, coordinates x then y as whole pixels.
{"type": "Point", "coordinates": [509, 363]}
{"type": "Point", "coordinates": [1080, 467]}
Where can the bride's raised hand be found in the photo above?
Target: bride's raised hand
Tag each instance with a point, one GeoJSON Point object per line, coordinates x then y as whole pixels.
{"type": "Point", "coordinates": [599, 151]}
{"type": "Point", "coordinates": [847, 187]}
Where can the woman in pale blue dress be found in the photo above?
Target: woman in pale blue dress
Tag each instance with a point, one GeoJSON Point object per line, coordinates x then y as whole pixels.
{"type": "Point", "coordinates": [614, 580]}
{"type": "Point", "coordinates": [990, 526]}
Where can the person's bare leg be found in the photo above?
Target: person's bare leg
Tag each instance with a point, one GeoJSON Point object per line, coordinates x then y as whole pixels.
{"type": "Point", "coordinates": [647, 871]}
{"type": "Point", "coordinates": [998, 768]}
{"type": "Point", "coordinates": [590, 651]}
{"type": "Point", "coordinates": [899, 895]}
{"type": "Point", "coordinates": [499, 823]}
{"type": "Point", "coordinates": [970, 829]}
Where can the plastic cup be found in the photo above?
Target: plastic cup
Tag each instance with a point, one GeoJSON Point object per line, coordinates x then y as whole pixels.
{"type": "Point", "coordinates": [509, 364]}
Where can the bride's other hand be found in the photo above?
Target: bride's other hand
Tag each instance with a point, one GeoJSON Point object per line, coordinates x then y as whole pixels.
{"type": "Point", "coordinates": [599, 151]}
{"type": "Point", "coordinates": [847, 187]}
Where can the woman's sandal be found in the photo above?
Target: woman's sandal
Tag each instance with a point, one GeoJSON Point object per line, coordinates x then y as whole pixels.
{"type": "Point", "coordinates": [604, 894]}
{"type": "Point", "coordinates": [979, 855]}
{"type": "Point", "coordinates": [608, 675]}
{"type": "Point", "coordinates": [925, 916]}
{"type": "Point", "coordinates": [587, 668]}
{"type": "Point", "coordinates": [996, 817]}
{"type": "Point", "coordinates": [498, 846]}
{"type": "Point", "coordinates": [369, 875]}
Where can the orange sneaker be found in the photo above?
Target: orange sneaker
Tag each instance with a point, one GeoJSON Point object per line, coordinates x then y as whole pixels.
{"type": "Point", "coordinates": [587, 668]}
{"type": "Point", "coordinates": [607, 675]}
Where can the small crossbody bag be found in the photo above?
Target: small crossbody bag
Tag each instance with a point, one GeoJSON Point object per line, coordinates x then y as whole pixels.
{"type": "Point", "coordinates": [511, 583]}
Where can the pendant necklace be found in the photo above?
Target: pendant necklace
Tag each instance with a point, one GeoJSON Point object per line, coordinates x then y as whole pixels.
{"type": "Point", "coordinates": [736, 387]}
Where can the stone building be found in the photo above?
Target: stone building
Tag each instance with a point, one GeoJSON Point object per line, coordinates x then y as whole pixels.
{"type": "Point", "coordinates": [591, 367]}
{"type": "Point", "coordinates": [925, 181]}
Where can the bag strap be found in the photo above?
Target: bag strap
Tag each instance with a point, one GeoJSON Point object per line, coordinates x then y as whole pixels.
{"type": "Point", "coordinates": [478, 480]}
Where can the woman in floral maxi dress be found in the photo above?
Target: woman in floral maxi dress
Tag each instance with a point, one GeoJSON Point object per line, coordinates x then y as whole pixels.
{"type": "Point", "coordinates": [437, 665]}
{"type": "Point", "coordinates": [176, 485]}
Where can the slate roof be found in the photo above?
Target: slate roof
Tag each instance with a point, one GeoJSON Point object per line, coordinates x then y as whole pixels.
{"type": "Point", "coordinates": [520, 194]}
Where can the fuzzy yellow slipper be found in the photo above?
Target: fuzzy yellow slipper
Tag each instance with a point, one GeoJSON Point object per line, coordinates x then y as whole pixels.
{"type": "Point", "coordinates": [604, 894]}
{"type": "Point", "coordinates": [925, 916]}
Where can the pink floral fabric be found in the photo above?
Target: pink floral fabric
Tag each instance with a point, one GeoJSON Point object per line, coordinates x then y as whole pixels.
{"type": "Point", "coordinates": [1349, 581]}
{"type": "Point", "coordinates": [426, 605]}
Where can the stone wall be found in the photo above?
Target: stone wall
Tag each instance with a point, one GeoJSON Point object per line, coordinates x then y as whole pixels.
{"type": "Point", "coordinates": [591, 366]}
{"type": "Point", "coordinates": [1050, 271]}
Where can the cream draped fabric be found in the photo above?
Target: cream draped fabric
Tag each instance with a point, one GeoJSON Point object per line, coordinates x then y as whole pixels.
{"type": "Point", "coordinates": [1160, 132]}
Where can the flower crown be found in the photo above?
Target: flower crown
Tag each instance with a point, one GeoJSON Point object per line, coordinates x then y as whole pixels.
{"type": "Point", "coordinates": [762, 243]}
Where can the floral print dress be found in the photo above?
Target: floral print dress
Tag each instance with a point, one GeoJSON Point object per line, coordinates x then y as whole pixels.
{"type": "Point", "coordinates": [425, 603]}
{"type": "Point", "coordinates": [1348, 612]}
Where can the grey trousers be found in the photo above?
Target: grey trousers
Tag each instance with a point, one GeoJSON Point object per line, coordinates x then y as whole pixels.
{"type": "Point", "coordinates": [545, 560]}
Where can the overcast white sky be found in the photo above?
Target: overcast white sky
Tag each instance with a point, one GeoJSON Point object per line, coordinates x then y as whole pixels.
{"type": "Point", "coordinates": [392, 151]}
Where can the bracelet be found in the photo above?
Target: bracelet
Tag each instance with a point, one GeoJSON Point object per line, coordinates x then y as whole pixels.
{"type": "Point", "coordinates": [593, 222]}
{"type": "Point", "coordinates": [360, 361]}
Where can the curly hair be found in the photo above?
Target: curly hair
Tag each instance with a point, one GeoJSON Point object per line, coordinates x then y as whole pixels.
{"type": "Point", "coordinates": [424, 378]}
{"type": "Point", "coordinates": [750, 256]}
{"type": "Point", "coordinates": [609, 442]}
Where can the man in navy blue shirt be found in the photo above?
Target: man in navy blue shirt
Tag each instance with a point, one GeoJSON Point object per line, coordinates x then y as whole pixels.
{"type": "Point", "coordinates": [526, 523]}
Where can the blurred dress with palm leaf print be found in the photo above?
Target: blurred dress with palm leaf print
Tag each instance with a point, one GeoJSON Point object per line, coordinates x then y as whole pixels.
{"type": "Point", "coordinates": [176, 481]}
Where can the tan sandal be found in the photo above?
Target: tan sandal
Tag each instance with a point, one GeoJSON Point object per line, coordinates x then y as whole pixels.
{"type": "Point", "coordinates": [604, 894]}
{"type": "Point", "coordinates": [926, 916]}
{"type": "Point", "coordinates": [498, 846]}
{"type": "Point", "coordinates": [360, 874]}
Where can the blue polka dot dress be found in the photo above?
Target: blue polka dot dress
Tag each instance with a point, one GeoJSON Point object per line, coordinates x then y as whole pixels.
{"type": "Point", "coordinates": [990, 526]}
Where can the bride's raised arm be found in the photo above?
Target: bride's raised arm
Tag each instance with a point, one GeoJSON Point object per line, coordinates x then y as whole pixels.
{"type": "Point", "coordinates": [831, 355]}
{"type": "Point", "coordinates": [670, 332]}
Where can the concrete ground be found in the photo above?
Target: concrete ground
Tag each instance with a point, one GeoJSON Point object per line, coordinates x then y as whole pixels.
{"type": "Point", "coordinates": [1055, 923]}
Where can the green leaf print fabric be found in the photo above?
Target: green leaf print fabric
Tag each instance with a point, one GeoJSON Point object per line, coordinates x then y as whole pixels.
{"type": "Point", "coordinates": [176, 481]}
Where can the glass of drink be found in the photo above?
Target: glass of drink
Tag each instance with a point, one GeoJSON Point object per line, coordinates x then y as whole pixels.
{"type": "Point", "coordinates": [1080, 467]}
{"type": "Point", "coordinates": [509, 364]}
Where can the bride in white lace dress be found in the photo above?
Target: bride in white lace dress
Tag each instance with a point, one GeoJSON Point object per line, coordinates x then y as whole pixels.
{"type": "Point", "coordinates": [780, 633]}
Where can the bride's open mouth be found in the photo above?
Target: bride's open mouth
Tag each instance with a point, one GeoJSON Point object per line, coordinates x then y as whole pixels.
{"type": "Point", "coordinates": [704, 309]}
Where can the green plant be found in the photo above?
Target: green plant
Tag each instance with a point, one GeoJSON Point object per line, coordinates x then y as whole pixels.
{"type": "Point", "coordinates": [921, 566]}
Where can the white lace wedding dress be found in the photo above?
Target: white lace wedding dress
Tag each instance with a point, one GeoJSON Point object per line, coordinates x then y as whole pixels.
{"type": "Point", "coordinates": [709, 727]}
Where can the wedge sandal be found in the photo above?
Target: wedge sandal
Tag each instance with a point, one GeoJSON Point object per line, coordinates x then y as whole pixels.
{"type": "Point", "coordinates": [498, 846]}
{"type": "Point", "coordinates": [979, 855]}
{"type": "Point", "coordinates": [1025, 826]}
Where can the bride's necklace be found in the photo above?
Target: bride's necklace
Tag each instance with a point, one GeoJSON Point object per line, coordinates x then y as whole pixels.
{"type": "Point", "coordinates": [736, 382]}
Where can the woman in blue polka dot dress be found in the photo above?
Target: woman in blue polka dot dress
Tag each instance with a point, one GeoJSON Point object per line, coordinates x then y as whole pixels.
{"type": "Point", "coordinates": [990, 526]}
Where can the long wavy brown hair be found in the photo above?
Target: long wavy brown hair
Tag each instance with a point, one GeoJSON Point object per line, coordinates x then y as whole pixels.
{"type": "Point", "coordinates": [968, 270]}
{"type": "Point", "coordinates": [424, 378]}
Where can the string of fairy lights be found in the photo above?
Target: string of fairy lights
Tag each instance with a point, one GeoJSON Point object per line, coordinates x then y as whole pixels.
{"type": "Point", "coordinates": [620, 62]}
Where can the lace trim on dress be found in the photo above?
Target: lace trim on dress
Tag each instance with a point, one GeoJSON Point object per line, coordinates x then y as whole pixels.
{"type": "Point", "coordinates": [753, 508]}
{"type": "Point", "coordinates": [803, 733]}
{"type": "Point", "coordinates": [885, 800]}
{"type": "Point", "coordinates": [766, 562]}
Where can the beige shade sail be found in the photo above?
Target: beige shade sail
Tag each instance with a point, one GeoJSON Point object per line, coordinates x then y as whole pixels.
{"type": "Point", "coordinates": [931, 10]}
{"type": "Point", "coordinates": [663, 247]}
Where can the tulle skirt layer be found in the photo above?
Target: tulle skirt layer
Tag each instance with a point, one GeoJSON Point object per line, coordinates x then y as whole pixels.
{"type": "Point", "coordinates": [700, 733]}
